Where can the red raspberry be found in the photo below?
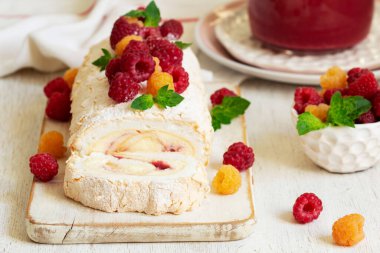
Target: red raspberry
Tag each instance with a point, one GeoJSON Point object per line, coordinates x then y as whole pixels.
{"type": "Point", "coordinates": [44, 166]}
{"type": "Point", "coordinates": [172, 29]}
{"type": "Point", "coordinates": [112, 68]}
{"type": "Point", "coordinates": [123, 88]}
{"type": "Point", "coordinates": [239, 155]}
{"type": "Point", "coordinates": [139, 65]}
{"type": "Point", "coordinates": [56, 85]}
{"type": "Point", "coordinates": [364, 84]}
{"type": "Point", "coordinates": [376, 104]}
{"type": "Point", "coordinates": [307, 208]}
{"type": "Point", "coordinates": [122, 28]}
{"type": "Point", "coordinates": [180, 78]}
{"type": "Point", "coordinates": [136, 46]}
{"type": "Point", "coordinates": [151, 32]}
{"type": "Point", "coordinates": [329, 93]}
{"type": "Point", "coordinates": [367, 117]}
{"type": "Point", "coordinates": [169, 54]}
{"type": "Point", "coordinates": [58, 106]}
{"type": "Point", "coordinates": [217, 97]}
{"type": "Point", "coordinates": [154, 43]}
{"type": "Point", "coordinates": [353, 74]}
{"type": "Point", "coordinates": [306, 96]}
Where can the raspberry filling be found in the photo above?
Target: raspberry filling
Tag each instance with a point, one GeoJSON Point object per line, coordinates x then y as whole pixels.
{"type": "Point", "coordinates": [161, 165]}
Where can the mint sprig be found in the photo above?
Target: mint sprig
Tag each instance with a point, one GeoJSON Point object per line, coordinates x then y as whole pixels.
{"type": "Point", "coordinates": [103, 60]}
{"type": "Point", "coordinates": [151, 15]}
{"type": "Point", "coordinates": [135, 14]}
{"type": "Point", "coordinates": [230, 108]}
{"type": "Point", "coordinates": [307, 122]}
{"type": "Point", "coordinates": [143, 102]}
{"type": "Point", "coordinates": [165, 98]}
{"type": "Point", "coordinates": [342, 112]}
{"type": "Point", "coordinates": [182, 45]}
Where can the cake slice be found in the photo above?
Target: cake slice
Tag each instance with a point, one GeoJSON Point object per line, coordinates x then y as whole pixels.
{"type": "Point", "coordinates": [122, 159]}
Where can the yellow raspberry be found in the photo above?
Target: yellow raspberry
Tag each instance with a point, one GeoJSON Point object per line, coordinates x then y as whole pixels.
{"type": "Point", "coordinates": [227, 180]}
{"type": "Point", "coordinates": [348, 230]}
{"type": "Point", "coordinates": [69, 76]}
{"type": "Point", "coordinates": [334, 78]}
{"type": "Point", "coordinates": [157, 67]}
{"type": "Point", "coordinates": [123, 43]}
{"type": "Point", "coordinates": [157, 80]}
{"type": "Point", "coordinates": [134, 21]}
{"type": "Point", "coordinates": [52, 143]}
{"type": "Point", "coordinates": [320, 111]}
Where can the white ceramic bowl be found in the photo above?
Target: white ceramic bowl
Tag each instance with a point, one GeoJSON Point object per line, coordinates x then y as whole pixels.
{"type": "Point", "coordinates": [342, 149]}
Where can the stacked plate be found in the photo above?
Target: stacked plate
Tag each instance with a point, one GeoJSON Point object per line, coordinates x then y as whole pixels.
{"type": "Point", "coordinates": [225, 36]}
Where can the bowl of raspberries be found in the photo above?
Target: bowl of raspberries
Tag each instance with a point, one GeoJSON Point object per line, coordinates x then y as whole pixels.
{"type": "Point", "coordinates": [339, 124]}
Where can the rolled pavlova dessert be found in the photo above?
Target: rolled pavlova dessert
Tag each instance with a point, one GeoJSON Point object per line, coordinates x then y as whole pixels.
{"type": "Point", "coordinates": [150, 161]}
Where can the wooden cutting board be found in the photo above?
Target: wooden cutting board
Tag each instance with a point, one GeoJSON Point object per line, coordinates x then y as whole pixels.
{"type": "Point", "coordinates": [53, 218]}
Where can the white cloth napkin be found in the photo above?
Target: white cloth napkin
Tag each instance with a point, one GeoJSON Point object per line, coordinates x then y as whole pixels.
{"type": "Point", "coordinates": [52, 42]}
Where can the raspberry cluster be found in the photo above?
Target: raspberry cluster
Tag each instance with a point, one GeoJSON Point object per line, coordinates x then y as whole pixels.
{"type": "Point", "coordinates": [356, 82]}
{"type": "Point", "coordinates": [238, 158]}
{"type": "Point", "coordinates": [58, 93]}
{"type": "Point", "coordinates": [144, 54]}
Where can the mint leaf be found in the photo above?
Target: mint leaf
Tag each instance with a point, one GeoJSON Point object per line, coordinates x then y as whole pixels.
{"type": "Point", "coordinates": [230, 108]}
{"type": "Point", "coordinates": [356, 106]}
{"type": "Point", "coordinates": [143, 102]}
{"type": "Point", "coordinates": [344, 111]}
{"type": "Point", "coordinates": [182, 45]}
{"type": "Point", "coordinates": [235, 105]}
{"type": "Point", "coordinates": [135, 13]}
{"type": "Point", "coordinates": [152, 15]}
{"type": "Point", "coordinates": [103, 60]}
{"type": "Point", "coordinates": [167, 98]}
{"type": "Point", "coordinates": [216, 124]}
{"type": "Point", "coordinates": [307, 122]}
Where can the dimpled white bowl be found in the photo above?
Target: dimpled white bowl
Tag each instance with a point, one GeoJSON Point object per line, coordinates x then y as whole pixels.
{"type": "Point", "coordinates": [343, 149]}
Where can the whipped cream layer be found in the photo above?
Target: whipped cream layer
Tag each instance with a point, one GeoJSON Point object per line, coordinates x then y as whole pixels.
{"type": "Point", "coordinates": [149, 161]}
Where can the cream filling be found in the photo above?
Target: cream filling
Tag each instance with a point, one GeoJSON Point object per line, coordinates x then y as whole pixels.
{"type": "Point", "coordinates": [135, 165]}
{"type": "Point", "coordinates": [136, 135]}
{"type": "Point", "coordinates": [118, 143]}
{"type": "Point", "coordinates": [139, 153]}
{"type": "Point", "coordinates": [126, 142]}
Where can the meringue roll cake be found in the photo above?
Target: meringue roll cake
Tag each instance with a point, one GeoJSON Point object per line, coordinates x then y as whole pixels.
{"type": "Point", "coordinates": [151, 161]}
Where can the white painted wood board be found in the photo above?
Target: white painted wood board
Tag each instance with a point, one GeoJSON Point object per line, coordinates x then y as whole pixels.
{"type": "Point", "coordinates": [53, 218]}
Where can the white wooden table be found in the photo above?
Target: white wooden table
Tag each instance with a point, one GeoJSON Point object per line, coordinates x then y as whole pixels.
{"type": "Point", "coordinates": [281, 173]}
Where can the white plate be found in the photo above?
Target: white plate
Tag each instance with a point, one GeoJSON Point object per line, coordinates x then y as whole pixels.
{"type": "Point", "coordinates": [234, 33]}
{"type": "Point", "coordinates": [208, 43]}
